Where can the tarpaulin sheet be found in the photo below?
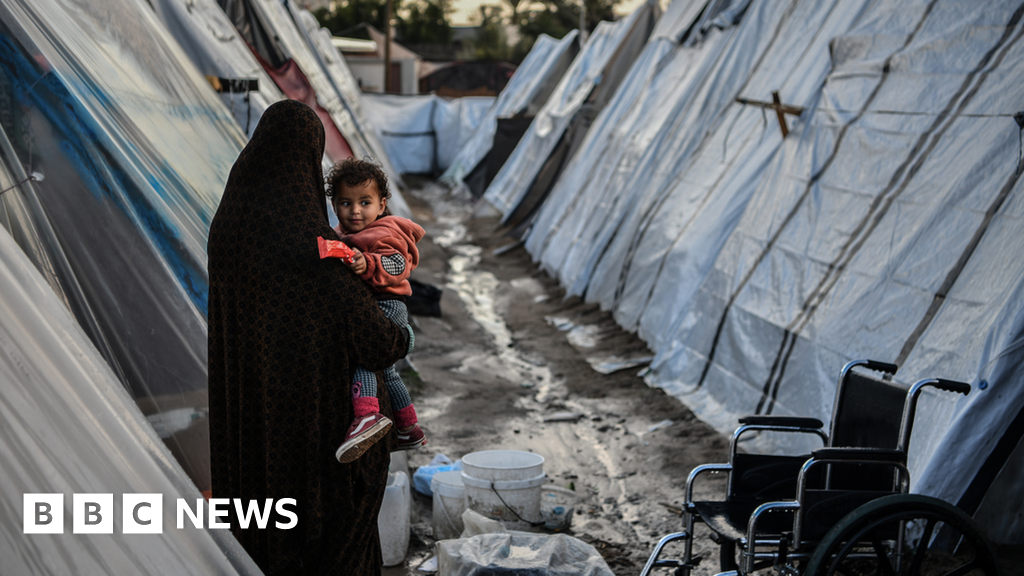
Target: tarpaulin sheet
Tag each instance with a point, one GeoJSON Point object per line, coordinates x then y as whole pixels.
{"type": "Point", "coordinates": [586, 71]}
{"type": "Point", "coordinates": [365, 136]}
{"type": "Point", "coordinates": [69, 427]}
{"type": "Point", "coordinates": [529, 87]}
{"type": "Point", "coordinates": [885, 226]}
{"type": "Point", "coordinates": [664, 124]}
{"type": "Point", "coordinates": [135, 148]}
{"type": "Point", "coordinates": [422, 134]}
{"type": "Point", "coordinates": [211, 42]}
{"type": "Point", "coordinates": [294, 45]}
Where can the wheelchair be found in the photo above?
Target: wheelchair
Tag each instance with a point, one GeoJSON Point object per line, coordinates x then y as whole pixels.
{"type": "Point", "coordinates": [842, 509]}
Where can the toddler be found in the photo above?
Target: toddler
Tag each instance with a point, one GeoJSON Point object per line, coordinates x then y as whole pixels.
{"type": "Point", "coordinates": [385, 255]}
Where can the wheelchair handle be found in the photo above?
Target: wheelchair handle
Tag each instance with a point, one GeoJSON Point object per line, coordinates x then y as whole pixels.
{"type": "Point", "coordinates": [953, 386]}
{"type": "Point", "coordinates": [877, 366]}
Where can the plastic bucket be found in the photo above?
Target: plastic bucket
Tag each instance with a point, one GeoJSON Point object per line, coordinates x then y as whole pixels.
{"type": "Point", "coordinates": [449, 503]}
{"type": "Point", "coordinates": [504, 485]}
{"type": "Point", "coordinates": [557, 505]}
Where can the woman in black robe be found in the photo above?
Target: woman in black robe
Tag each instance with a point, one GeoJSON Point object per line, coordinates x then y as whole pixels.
{"type": "Point", "coordinates": [286, 331]}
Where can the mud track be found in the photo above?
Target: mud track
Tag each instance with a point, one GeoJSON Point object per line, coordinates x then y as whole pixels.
{"type": "Point", "coordinates": [510, 352]}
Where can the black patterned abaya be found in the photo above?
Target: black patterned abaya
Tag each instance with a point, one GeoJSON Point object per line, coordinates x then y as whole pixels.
{"type": "Point", "coordinates": [286, 331]}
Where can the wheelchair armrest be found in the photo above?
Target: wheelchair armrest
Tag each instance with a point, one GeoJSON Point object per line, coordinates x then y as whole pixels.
{"type": "Point", "coordinates": [697, 472]}
{"type": "Point", "coordinates": [785, 421]}
{"type": "Point", "coordinates": [776, 424]}
{"type": "Point", "coordinates": [872, 455]}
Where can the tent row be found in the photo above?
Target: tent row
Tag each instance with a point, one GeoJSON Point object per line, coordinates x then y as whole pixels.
{"type": "Point", "coordinates": [523, 96]}
{"type": "Point", "coordinates": [872, 212]}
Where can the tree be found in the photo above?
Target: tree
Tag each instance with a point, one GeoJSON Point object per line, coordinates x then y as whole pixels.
{"type": "Point", "coordinates": [416, 21]}
{"type": "Point", "coordinates": [351, 13]}
{"type": "Point", "coordinates": [514, 5]}
{"type": "Point", "coordinates": [533, 23]}
{"type": "Point", "coordinates": [492, 41]}
{"type": "Point", "coordinates": [425, 22]}
{"type": "Point", "coordinates": [556, 19]}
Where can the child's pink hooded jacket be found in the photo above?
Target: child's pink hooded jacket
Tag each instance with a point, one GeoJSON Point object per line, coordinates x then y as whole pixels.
{"type": "Point", "coordinates": [389, 245]}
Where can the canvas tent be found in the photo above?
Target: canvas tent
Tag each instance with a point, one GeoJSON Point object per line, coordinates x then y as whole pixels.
{"type": "Point", "coordinates": [606, 55]}
{"type": "Point", "coordinates": [885, 225]}
{"type": "Point", "coordinates": [526, 92]}
{"type": "Point", "coordinates": [422, 134]}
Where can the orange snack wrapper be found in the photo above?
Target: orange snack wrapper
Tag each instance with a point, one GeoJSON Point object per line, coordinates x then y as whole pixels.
{"type": "Point", "coordinates": [335, 249]}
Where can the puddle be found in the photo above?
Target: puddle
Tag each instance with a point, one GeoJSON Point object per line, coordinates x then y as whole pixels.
{"type": "Point", "coordinates": [477, 289]}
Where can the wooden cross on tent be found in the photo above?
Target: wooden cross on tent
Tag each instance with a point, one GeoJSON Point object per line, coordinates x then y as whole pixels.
{"type": "Point", "coordinates": [780, 109]}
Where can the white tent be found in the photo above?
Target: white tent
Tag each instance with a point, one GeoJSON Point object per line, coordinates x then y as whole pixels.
{"type": "Point", "coordinates": [885, 225]}
{"type": "Point", "coordinates": [574, 88]}
{"type": "Point", "coordinates": [525, 93]}
{"type": "Point", "coordinates": [423, 133]}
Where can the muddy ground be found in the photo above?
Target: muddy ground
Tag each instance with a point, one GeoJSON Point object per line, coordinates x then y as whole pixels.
{"type": "Point", "coordinates": [502, 359]}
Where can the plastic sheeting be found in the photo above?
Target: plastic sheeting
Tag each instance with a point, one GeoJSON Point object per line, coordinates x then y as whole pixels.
{"type": "Point", "coordinates": [525, 93]}
{"type": "Point", "coordinates": [520, 553]}
{"type": "Point", "coordinates": [521, 168]}
{"type": "Point", "coordinates": [886, 225]}
{"type": "Point", "coordinates": [135, 148]}
{"type": "Point", "coordinates": [302, 46]}
{"type": "Point", "coordinates": [69, 428]}
{"type": "Point", "coordinates": [366, 135]}
{"type": "Point", "coordinates": [210, 40]}
{"type": "Point", "coordinates": [422, 134]}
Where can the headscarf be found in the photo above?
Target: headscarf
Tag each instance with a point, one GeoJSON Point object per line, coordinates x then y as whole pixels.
{"type": "Point", "coordinates": [286, 331]}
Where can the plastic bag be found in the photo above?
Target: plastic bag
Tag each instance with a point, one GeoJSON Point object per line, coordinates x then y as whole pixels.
{"type": "Point", "coordinates": [520, 554]}
{"type": "Point", "coordinates": [475, 523]}
{"type": "Point", "coordinates": [424, 474]}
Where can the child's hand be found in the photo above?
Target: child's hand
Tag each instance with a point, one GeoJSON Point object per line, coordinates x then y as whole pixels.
{"type": "Point", "coordinates": [358, 264]}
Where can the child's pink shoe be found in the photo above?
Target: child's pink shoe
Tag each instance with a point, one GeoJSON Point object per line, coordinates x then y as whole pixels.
{"type": "Point", "coordinates": [412, 438]}
{"type": "Point", "coordinates": [362, 434]}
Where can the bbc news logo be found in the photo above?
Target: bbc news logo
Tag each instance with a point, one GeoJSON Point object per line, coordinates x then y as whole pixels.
{"type": "Point", "coordinates": [144, 513]}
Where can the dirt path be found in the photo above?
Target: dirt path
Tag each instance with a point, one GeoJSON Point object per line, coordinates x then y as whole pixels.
{"type": "Point", "coordinates": [499, 361]}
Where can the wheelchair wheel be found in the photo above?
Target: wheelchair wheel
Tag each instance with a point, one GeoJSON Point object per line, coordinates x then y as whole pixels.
{"type": "Point", "coordinates": [904, 535]}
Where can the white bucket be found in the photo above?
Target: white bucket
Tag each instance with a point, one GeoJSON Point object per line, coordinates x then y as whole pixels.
{"type": "Point", "coordinates": [504, 485]}
{"type": "Point", "coordinates": [393, 520]}
{"type": "Point", "coordinates": [557, 505]}
{"type": "Point", "coordinates": [449, 504]}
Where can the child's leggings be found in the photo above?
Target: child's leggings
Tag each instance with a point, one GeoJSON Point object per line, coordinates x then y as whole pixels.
{"type": "Point", "coordinates": [365, 382]}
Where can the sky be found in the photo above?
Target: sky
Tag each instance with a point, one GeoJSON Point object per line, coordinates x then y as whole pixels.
{"type": "Point", "coordinates": [467, 12]}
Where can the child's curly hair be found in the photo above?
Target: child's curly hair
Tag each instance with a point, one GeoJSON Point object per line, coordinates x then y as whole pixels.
{"type": "Point", "coordinates": [353, 172]}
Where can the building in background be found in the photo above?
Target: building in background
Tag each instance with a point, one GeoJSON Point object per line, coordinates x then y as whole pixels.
{"type": "Point", "coordinates": [366, 60]}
